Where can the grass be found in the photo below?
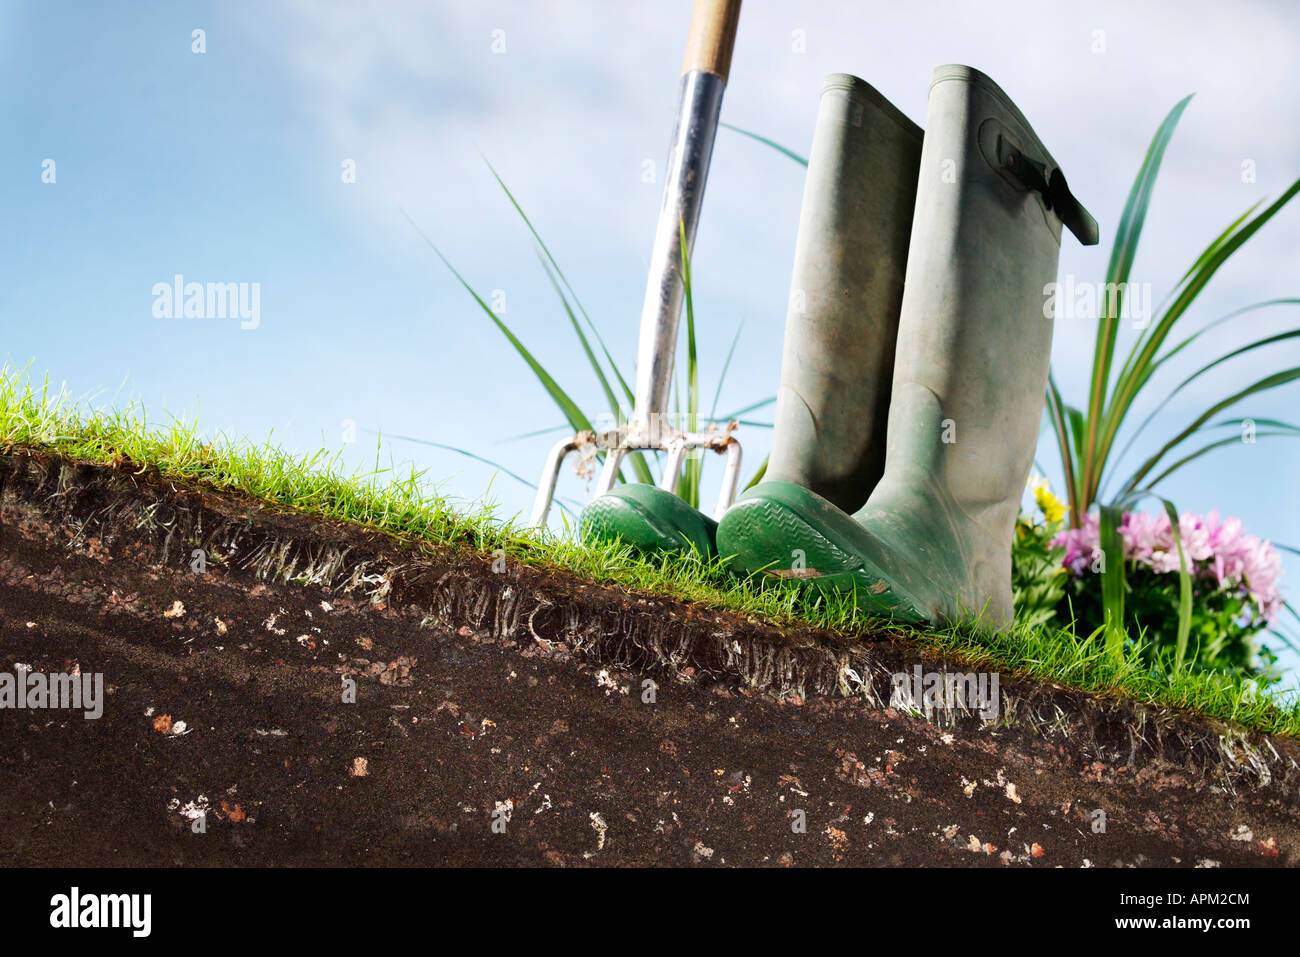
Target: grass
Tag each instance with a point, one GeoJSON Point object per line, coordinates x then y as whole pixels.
{"type": "Point", "coordinates": [384, 499]}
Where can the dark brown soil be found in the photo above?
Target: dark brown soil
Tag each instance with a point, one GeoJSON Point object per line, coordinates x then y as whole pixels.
{"type": "Point", "coordinates": [482, 696]}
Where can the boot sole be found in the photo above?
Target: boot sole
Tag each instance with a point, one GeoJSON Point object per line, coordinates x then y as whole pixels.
{"type": "Point", "coordinates": [760, 534]}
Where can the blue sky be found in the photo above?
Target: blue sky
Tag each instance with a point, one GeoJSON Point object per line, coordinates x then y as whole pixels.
{"type": "Point", "coordinates": [226, 166]}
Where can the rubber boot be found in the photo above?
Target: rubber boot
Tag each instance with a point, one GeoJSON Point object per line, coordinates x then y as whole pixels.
{"type": "Point", "coordinates": [933, 541]}
{"type": "Point", "coordinates": [649, 518]}
{"type": "Point", "coordinates": [841, 324]}
{"type": "Point", "coordinates": [840, 331]}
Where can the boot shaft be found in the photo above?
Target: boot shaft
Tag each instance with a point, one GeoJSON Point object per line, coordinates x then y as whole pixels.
{"type": "Point", "coordinates": [847, 287]}
{"type": "Point", "coordinates": [974, 345]}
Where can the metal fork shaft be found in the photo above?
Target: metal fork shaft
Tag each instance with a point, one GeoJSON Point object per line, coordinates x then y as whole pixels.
{"type": "Point", "coordinates": [688, 168]}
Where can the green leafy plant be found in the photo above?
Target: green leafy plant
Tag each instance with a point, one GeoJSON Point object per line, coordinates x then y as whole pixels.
{"type": "Point", "coordinates": [1233, 597]}
{"type": "Point", "coordinates": [1086, 438]}
{"type": "Point", "coordinates": [1038, 575]}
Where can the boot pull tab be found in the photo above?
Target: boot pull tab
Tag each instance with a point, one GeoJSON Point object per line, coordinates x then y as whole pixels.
{"type": "Point", "coordinates": [1056, 194]}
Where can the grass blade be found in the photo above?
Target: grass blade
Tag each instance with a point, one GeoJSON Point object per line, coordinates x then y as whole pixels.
{"type": "Point", "coordinates": [1139, 369]}
{"type": "Point", "coordinates": [1268, 382]}
{"type": "Point", "coordinates": [560, 272]}
{"type": "Point", "coordinates": [693, 465]}
{"type": "Point", "coordinates": [802, 161]}
{"type": "Point", "coordinates": [1220, 443]}
{"type": "Point", "coordinates": [722, 376]}
{"type": "Point", "coordinates": [551, 430]}
{"type": "Point", "coordinates": [636, 459]}
{"type": "Point", "coordinates": [469, 455]}
{"type": "Point", "coordinates": [1056, 414]}
{"type": "Point", "coordinates": [760, 404]}
{"type": "Point", "coordinates": [1161, 360]}
{"type": "Point", "coordinates": [1121, 262]}
{"type": "Point", "coordinates": [572, 413]}
{"type": "Point", "coordinates": [1112, 577]}
{"type": "Point", "coordinates": [1184, 588]}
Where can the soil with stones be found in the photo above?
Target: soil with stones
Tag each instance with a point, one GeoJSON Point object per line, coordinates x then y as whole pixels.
{"type": "Point", "coordinates": [283, 690]}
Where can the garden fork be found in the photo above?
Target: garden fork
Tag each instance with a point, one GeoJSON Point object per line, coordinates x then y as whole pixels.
{"type": "Point", "coordinates": [704, 78]}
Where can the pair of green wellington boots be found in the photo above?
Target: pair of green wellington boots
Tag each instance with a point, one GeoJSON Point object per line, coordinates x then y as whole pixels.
{"type": "Point", "coordinates": [914, 368]}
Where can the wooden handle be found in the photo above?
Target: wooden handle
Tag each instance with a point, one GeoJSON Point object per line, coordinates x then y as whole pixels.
{"type": "Point", "coordinates": [713, 34]}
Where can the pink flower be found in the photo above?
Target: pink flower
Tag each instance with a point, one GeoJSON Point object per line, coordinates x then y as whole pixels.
{"type": "Point", "coordinates": [1214, 548]}
{"type": "Point", "coordinates": [1081, 545]}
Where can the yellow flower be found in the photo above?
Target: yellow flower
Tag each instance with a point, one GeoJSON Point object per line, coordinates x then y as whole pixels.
{"type": "Point", "coordinates": [1053, 508]}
